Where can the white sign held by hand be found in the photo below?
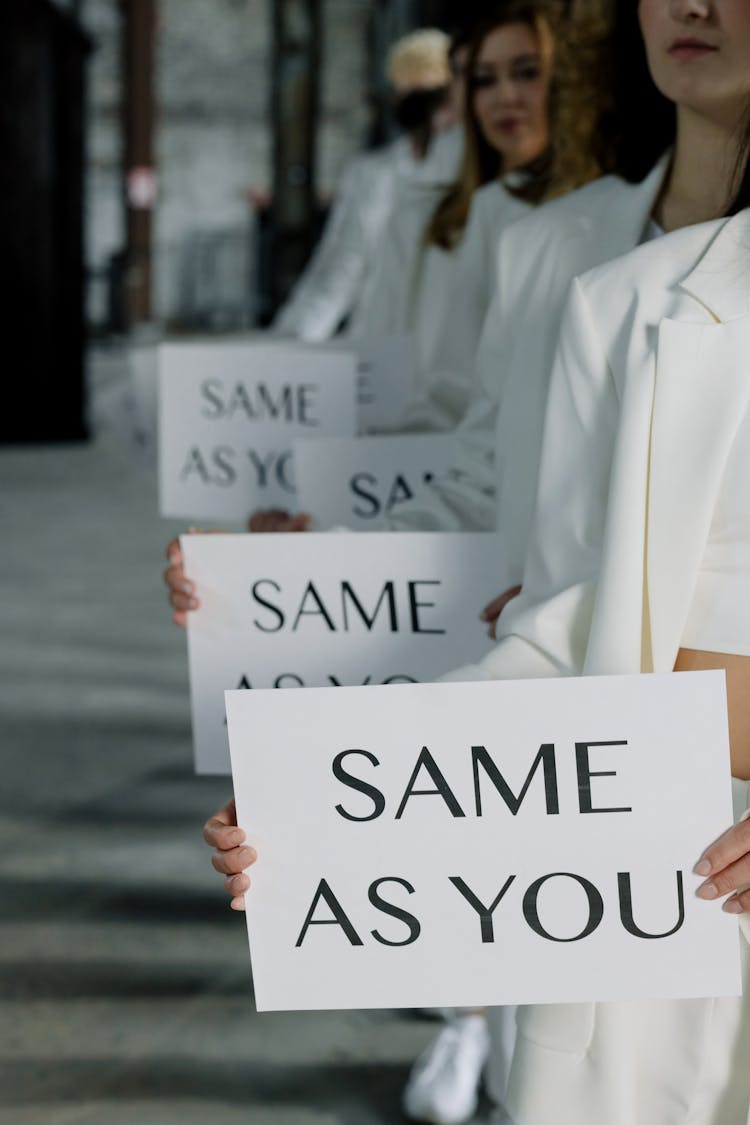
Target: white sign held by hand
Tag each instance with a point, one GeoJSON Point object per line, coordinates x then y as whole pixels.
{"type": "Point", "coordinates": [486, 843]}
{"type": "Point", "coordinates": [228, 415]}
{"type": "Point", "coordinates": [357, 483]}
{"type": "Point", "coordinates": [324, 610]}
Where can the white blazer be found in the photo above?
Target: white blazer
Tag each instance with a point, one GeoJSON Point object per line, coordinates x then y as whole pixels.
{"type": "Point", "coordinates": [650, 383]}
{"type": "Point", "coordinates": [337, 282]}
{"type": "Point", "coordinates": [494, 480]}
{"type": "Point", "coordinates": [450, 321]}
{"type": "Point", "coordinates": [396, 272]}
{"type": "Point", "coordinates": [425, 290]}
{"type": "Point", "coordinates": [332, 283]}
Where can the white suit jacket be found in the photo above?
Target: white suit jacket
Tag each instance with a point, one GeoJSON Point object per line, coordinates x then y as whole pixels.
{"type": "Point", "coordinates": [333, 280]}
{"type": "Point", "coordinates": [337, 282]}
{"type": "Point", "coordinates": [650, 383]}
{"type": "Point", "coordinates": [424, 290]}
{"type": "Point", "coordinates": [494, 480]}
{"type": "Point", "coordinates": [450, 320]}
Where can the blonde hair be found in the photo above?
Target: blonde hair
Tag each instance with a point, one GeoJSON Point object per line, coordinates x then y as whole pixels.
{"type": "Point", "coordinates": [420, 60]}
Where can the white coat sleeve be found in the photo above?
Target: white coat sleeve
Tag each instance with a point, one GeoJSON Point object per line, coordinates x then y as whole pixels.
{"type": "Point", "coordinates": [331, 283]}
{"type": "Point", "coordinates": [544, 632]}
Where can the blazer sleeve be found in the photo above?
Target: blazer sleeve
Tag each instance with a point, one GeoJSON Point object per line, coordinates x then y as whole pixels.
{"type": "Point", "coordinates": [544, 632]}
{"type": "Point", "coordinates": [331, 283]}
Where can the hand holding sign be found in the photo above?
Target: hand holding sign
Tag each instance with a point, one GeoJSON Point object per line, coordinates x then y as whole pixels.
{"type": "Point", "coordinates": [181, 594]}
{"type": "Point", "coordinates": [278, 520]}
{"type": "Point", "coordinates": [544, 859]}
{"type": "Point", "coordinates": [230, 857]}
{"type": "Point", "coordinates": [727, 862]}
{"type": "Point", "coordinates": [348, 609]}
{"type": "Point", "coordinates": [491, 612]}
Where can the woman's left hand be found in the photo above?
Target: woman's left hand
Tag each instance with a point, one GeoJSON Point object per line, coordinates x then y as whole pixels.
{"type": "Point", "coordinates": [727, 865]}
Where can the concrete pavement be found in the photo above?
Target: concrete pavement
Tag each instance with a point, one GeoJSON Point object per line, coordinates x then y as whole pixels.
{"type": "Point", "coordinates": [124, 979]}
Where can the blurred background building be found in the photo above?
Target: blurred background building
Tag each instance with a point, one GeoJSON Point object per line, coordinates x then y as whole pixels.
{"type": "Point", "coordinates": [169, 163]}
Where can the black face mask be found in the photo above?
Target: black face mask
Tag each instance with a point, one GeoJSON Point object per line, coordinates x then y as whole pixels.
{"type": "Point", "coordinates": [416, 109]}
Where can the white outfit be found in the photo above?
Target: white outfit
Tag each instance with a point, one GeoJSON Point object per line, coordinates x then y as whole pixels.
{"type": "Point", "coordinates": [452, 328]}
{"type": "Point", "coordinates": [645, 433]}
{"type": "Point", "coordinates": [494, 480]}
{"type": "Point", "coordinates": [422, 290]}
{"type": "Point", "coordinates": [338, 278]}
{"type": "Point", "coordinates": [443, 160]}
{"type": "Point", "coordinates": [719, 618]}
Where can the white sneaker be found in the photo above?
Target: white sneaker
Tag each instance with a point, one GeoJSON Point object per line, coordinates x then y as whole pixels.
{"type": "Point", "coordinates": [444, 1082]}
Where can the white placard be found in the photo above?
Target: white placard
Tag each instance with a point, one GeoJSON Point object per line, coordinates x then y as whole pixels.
{"type": "Point", "coordinates": [386, 380]}
{"type": "Point", "coordinates": [324, 610]}
{"type": "Point", "coordinates": [476, 844]}
{"type": "Point", "coordinates": [228, 414]}
{"type": "Point", "coordinates": [143, 365]}
{"type": "Point", "coordinates": [356, 483]}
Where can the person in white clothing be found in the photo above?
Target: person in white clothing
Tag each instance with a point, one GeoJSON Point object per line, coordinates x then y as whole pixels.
{"type": "Point", "coordinates": [639, 561]}
{"type": "Point", "coordinates": [430, 235]}
{"type": "Point", "coordinates": [496, 484]}
{"type": "Point", "coordinates": [434, 275]}
{"type": "Point", "coordinates": [492, 484]}
{"type": "Point", "coordinates": [698, 100]}
{"type": "Point", "coordinates": [447, 284]}
{"type": "Point", "coordinates": [453, 326]}
{"type": "Point", "coordinates": [338, 278]}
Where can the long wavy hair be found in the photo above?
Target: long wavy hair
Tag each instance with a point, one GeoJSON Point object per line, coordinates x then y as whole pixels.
{"type": "Point", "coordinates": [574, 44]}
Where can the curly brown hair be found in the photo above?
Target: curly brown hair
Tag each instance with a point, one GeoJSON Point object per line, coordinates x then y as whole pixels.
{"type": "Point", "coordinates": [575, 36]}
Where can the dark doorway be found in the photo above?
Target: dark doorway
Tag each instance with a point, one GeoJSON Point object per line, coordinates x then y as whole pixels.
{"type": "Point", "coordinates": [42, 64]}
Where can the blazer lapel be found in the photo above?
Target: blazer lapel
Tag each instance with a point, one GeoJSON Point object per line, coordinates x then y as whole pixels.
{"type": "Point", "coordinates": [622, 223]}
{"type": "Point", "coordinates": [702, 389]}
{"type": "Point", "coordinates": [619, 594]}
{"type": "Point", "coordinates": [721, 279]}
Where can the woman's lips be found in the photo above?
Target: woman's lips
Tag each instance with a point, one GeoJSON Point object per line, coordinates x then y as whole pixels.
{"type": "Point", "coordinates": [508, 124]}
{"type": "Point", "coordinates": [686, 49]}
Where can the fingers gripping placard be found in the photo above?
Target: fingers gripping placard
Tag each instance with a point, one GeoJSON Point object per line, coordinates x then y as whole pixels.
{"type": "Point", "coordinates": [327, 611]}
{"type": "Point", "coordinates": [473, 844]}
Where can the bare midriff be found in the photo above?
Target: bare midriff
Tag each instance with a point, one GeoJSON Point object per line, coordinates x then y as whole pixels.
{"type": "Point", "coordinates": [737, 669]}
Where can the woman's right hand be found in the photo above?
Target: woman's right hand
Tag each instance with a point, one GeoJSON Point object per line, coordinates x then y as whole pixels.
{"type": "Point", "coordinates": [277, 519]}
{"type": "Point", "coordinates": [231, 855]}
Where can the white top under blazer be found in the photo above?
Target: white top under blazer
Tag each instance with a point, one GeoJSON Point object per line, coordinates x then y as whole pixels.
{"type": "Point", "coordinates": [640, 495]}
{"type": "Point", "coordinates": [719, 618]}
